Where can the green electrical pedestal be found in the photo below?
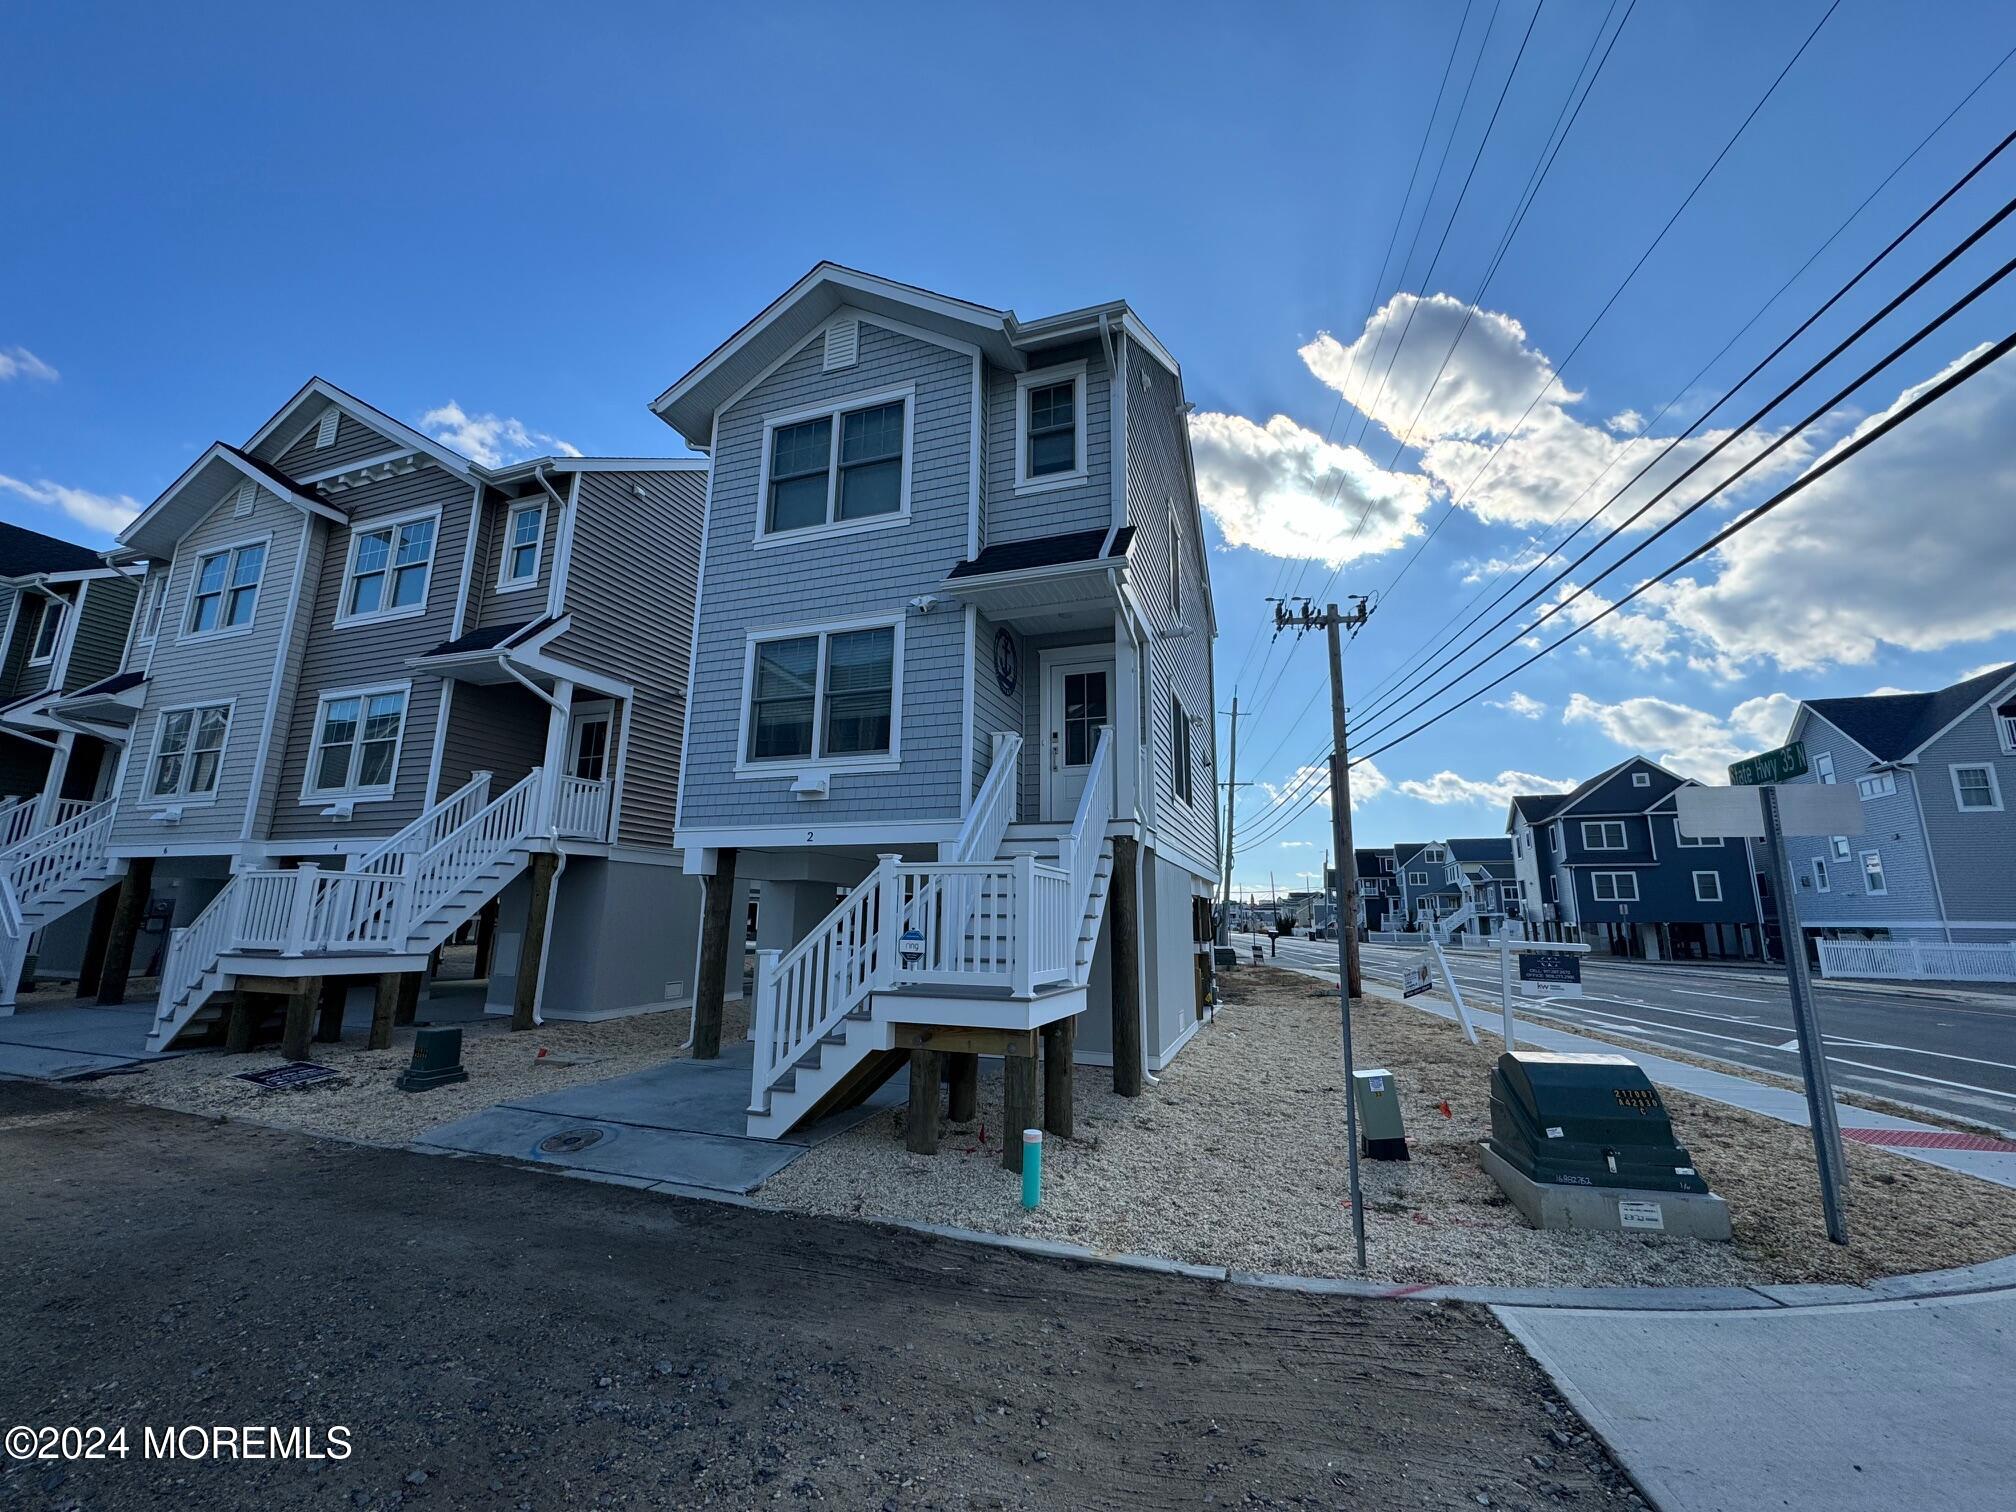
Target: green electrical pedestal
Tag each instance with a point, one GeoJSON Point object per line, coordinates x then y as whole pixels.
{"type": "Point", "coordinates": [1379, 1125]}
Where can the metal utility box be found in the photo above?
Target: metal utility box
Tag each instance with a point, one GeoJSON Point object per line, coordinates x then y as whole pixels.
{"type": "Point", "coordinates": [1585, 1120]}
{"type": "Point", "coordinates": [1381, 1132]}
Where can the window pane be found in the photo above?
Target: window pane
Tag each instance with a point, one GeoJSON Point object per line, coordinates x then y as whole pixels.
{"type": "Point", "coordinates": [799, 449]}
{"type": "Point", "coordinates": [175, 730]}
{"type": "Point", "coordinates": [210, 575]}
{"type": "Point", "coordinates": [210, 726]}
{"type": "Point", "coordinates": [381, 717]}
{"type": "Point", "coordinates": [416, 542]}
{"type": "Point", "coordinates": [525, 527]}
{"type": "Point", "coordinates": [374, 768]}
{"type": "Point", "coordinates": [167, 775]}
{"type": "Point", "coordinates": [859, 671]}
{"type": "Point", "coordinates": [787, 668]}
{"type": "Point", "coordinates": [204, 615]}
{"type": "Point", "coordinates": [332, 768]}
{"type": "Point", "coordinates": [240, 604]}
{"type": "Point", "coordinates": [780, 721]}
{"type": "Point", "coordinates": [245, 569]}
{"type": "Point", "coordinates": [524, 562]}
{"type": "Point", "coordinates": [366, 592]}
{"type": "Point", "coordinates": [798, 502]}
{"type": "Point", "coordinates": [339, 721]}
{"type": "Point", "coordinates": [869, 435]}
{"type": "Point", "coordinates": [872, 488]}
{"type": "Point", "coordinates": [203, 772]}
{"type": "Point", "coordinates": [409, 586]}
{"type": "Point", "coordinates": [1051, 406]}
{"type": "Point", "coordinates": [1055, 452]}
{"type": "Point", "coordinates": [372, 550]}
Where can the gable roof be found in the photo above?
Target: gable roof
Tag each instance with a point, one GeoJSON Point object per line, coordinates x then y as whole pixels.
{"type": "Point", "coordinates": [366, 415]}
{"type": "Point", "coordinates": [1893, 726]}
{"type": "Point", "coordinates": [1536, 808]}
{"type": "Point", "coordinates": [24, 552]}
{"type": "Point", "coordinates": [201, 488]}
{"type": "Point", "coordinates": [1580, 794]}
{"type": "Point", "coordinates": [1485, 848]}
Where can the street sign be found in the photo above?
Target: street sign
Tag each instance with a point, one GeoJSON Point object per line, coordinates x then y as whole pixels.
{"type": "Point", "coordinates": [1820, 808]}
{"type": "Point", "coordinates": [1781, 765]}
{"type": "Point", "coordinates": [1549, 973]}
{"type": "Point", "coordinates": [1708, 813]}
{"type": "Point", "coordinates": [1414, 981]}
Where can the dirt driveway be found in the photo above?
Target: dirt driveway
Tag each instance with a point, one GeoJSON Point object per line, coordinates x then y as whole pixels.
{"type": "Point", "coordinates": [498, 1337]}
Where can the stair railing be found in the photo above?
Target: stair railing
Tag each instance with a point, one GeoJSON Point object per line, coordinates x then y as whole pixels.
{"type": "Point", "coordinates": [193, 952]}
{"type": "Point", "coordinates": [1078, 851]}
{"type": "Point", "coordinates": [447, 867]}
{"type": "Point", "coordinates": [805, 993]}
{"type": "Point", "coordinates": [994, 806]}
{"type": "Point", "coordinates": [48, 859]}
{"type": "Point", "coordinates": [426, 832]}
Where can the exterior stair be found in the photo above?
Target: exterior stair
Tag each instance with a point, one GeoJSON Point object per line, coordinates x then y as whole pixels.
{"type": "Point", "coordinates": [401, 900]}
{"type": "Point", "coordinates": [999, 934]}
{"type": "Point", "coordinates": [46, 875]}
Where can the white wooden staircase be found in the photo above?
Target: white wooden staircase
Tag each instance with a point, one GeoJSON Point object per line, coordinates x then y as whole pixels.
{"type": "Point", "coordinates": [1000, 935]}
{"type": "Point", "coordinates": [46, 873]}
{"type": "Point", "coordinates": [399, 901]}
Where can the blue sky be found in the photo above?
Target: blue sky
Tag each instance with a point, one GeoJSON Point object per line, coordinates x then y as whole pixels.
{"type": "Point", "coordinates": [541, 221]}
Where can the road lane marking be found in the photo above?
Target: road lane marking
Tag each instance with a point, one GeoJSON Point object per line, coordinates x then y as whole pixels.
{"type": "Point", "coordinates": [1734, 997]}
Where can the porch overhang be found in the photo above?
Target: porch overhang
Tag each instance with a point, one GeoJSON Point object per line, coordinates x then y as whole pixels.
{"type": "Point", "coordinates": [106, 709]}
{"type": "Point", "coordinates": [1057, 583]}
{"type": "Point", "coordinates": [500, 654]}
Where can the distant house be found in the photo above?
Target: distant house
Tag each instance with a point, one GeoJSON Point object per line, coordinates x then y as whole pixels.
{"type": "Point", "coordinates": [1605, 864]}
{"type": "Point", "coordinates": [1424, 890]}
{"type": "Point", "coordinates": [1937, 776]}
{"type": "Point", "coordinates": [1378, 889]}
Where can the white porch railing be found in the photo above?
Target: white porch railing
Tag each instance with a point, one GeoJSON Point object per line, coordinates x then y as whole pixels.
{"type": "Point", "coordinates": [581, 809]}
{"type": "Point", "coordinates": [995, 805]}
{"type": "Point", "coordinates": [47, 858]}
{"type": "Point", "coordinates": [1078, 852]}
{"type": "Point", "coordinates": [1918, 960]}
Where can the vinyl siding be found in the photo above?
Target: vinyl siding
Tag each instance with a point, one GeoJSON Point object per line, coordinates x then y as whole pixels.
{"type": "Point", "coordinates": [213, 669]}
{"type": "Point", "coordinates": [500, 730]}
{"type": "Point", "coordinates": [1157, 481]}
{"type": "Point", "coordinates": [810, 582]}
{"type": "Point", "coordinates": [1028, 516]}
{"type": "Point", "coordinates": [100, 643]}
{"type": "Point", "coordinates": [997, 712]}
{"type": "Point", "coordinates": [487, 606]}
{"type": "Point", "coordinates": [372, 652]}
{"type": "Point", "coordinates": [20, 679]}
{"type": "Point", "coordinates": [1972, 848]}
{"type": "Point", "coordinates": [355, 442]}
{"type": "Point", "coordinates": [1892, 828]}
{"type": "Point", "coordinates": [633, 568]}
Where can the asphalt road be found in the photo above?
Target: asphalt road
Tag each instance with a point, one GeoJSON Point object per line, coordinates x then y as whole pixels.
{"type": "Point", "coordinates": [497, 1337]}
{"type": "Point", "coordinates": [1953, 1053]}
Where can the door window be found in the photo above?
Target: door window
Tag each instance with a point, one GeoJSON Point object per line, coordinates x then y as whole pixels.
{"type": "Point", "coordinates": [591, 749]}
{"type": "Point", "coordinates": [1084, 713]}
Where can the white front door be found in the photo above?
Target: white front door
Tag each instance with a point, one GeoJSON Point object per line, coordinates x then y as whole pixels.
{"type": "Point", "coordinates": [1077, 702]}
{"type": "Point", "coordinates": [588, 746]}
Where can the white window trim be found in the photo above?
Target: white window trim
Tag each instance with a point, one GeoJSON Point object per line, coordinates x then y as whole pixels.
{"type": "Point", "coordinates": [1599, 825]}
{"type": "Point", "coordinates": [2005, 733]}
{"type": "Point", "coordinates": [1712, 876]}
{"type": "Point", "coordinates": [1641, 779]}
{"type": "Point", "coordinates": [156, 803]}
{"type": "Point", "coordinates": [1838, 848]}
{"type": "Point", "coordinates": [766, 537]}
{"type": "Point", "coordinates": [1823, 766]}
{"type": "Point", "coordinates": [318, 796]}
{"type": "Point", "coordinates": [511, 512]}
{"type": "Point", "coordinates": [1823, 879]}
{"type": "Point", "coordinates": [1617, 879]}
{"type": "Point", "coordinates": [1862, 785]}
{"type": "Point", "coordinates": [790, 766]}
{"type": "Point", "coordinates": [1696, 842]}
{"type": "Point", "coordinates": [1874, 892]}
{"type": "Point", "coordinates": [362, 528]}
{"type": "Point", "coordinates": [1044, 378]}
{"type": "Point", "coordinates": [53, 610]}
{"type": "Point", "coordinates": [1953, 771]}
{"type": "Point", "coordinates": [1417, 879]}
{"type": "Point", "coordinates": [230, 550]}
{"type": "Point", "coordinates": [153, 598]}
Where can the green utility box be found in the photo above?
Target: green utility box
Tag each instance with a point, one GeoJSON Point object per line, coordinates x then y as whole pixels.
{"type": "Point", "coordinates": [1381, 1133]}
{"type": "Point", "coordinates": [1585, 1120]}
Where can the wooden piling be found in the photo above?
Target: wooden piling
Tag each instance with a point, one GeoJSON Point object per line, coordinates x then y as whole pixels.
{"type": "Point", "coordinates": [963, 1087]}
{"type": "Point", "coordinates": [531, 954]}
{"type": "Point", "coordinates": [329, 1010]}
{"type": "Point", "coordinates": [721, 931]}
{"type": "Point", "coordinates": [920, 1133]}
{"type": "Point", "coordinates": [1123, 903]}
{"type": "Point", "coordinates": [134, 890]}
{"type": "Point", "coordinates": [241, 1020]}
{"type": "Point", "coordinates": [1018, 1073]}
{"type": "Point", "coordinates": [1060, 1044]}
{"type": "Point", "coordinates": [301, 1000]}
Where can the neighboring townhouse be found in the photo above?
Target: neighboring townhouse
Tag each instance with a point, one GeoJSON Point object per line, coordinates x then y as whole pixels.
{"type": "Point", "coordinates": [1609, 865]}
{"type": "Point", "coordinates": [953, 659]}
{"type": "Point", "coordinates": [375, 692]}
{"type": "Point", "coordinates": [1378, 889]}
{"type": "Point", "coordinates": [1934, 860]}
{"type": "Point", "coordinates": [1426, 890]}
{"type": "Point", "coordinates": [1486, 881]}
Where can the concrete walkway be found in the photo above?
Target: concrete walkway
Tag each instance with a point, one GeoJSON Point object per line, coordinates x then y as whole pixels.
{"type": "Point", "coordinates": [1875, 1405]}
{"type": "Point", "coordinates": [69, 1038]}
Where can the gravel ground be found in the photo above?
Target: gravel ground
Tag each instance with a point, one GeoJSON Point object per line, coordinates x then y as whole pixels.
{"type": "Point", "coordinates": [494, 1338]}
{"type": "Point", "coordinates": [1238, 1158]}
{"type": "Point", "coordinates": [363, 1103]}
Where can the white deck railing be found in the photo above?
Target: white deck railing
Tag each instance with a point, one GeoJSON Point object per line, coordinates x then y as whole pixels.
{"type": "Point", "coordinates": [994, 806]}
{"type": "Point", "coordinates": [1918, 960]}
{"type": "Point", "coordinates": [1078, 852]}
{"type": "Point", "coordinates": [47, 859]}
{"type": "Point", "coordinates": [581, 809]}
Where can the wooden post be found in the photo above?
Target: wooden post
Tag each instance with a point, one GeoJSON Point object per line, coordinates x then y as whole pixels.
{"type": "Point", "coordinates": [241, 1020]}
{"type": "Point", "coordinates": [408, 1007]}
{"type": "Point", "coordinates": [384, 1008]}
{"type": "Point", "coordinates": [329, 1011]}
{"type": "Point", "coordinates": [920, 1135]}
{"type": "Point", "coordinates": [300, 1018]}
{"type": "Point", "coordinates": [1123, 902]}
{"type": "Point", "coordinates": [486, 939]}
{"type": "Point", "coordinates": [720, 932]}
{"type": "Point", "coordinates": [531, 955]}
{"type": "Point", "coordinates": [102, 913]}
{"type": "Point", "coordinates": [1018, 1098]}
{"type": "Point", "coordinates": [134, 889]}
{"type": "Point", "coordinates": [1060, 1045]}
{"type": "Point", "coordinates": [963, 1074]}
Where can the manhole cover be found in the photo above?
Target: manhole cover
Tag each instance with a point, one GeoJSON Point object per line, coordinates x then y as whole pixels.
{"type": "Point", "coordinates": [569, 1141]}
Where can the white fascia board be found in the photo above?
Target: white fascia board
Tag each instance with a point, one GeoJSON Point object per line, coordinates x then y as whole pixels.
{"type": "Point", "coordinates": [365, 415]}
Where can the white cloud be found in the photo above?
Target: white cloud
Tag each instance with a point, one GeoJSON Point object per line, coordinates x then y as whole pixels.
{"type": "Point", "coordinates": [110, 513]}
{"type": "Point", "coordinates": [19, 362]}
{"type": "Point", "coordinates": [1449, 788]}
{"type": "Point", "coordinates": [1367, 783]}
{"type": "Point", "coordinates": [1645, 639]}
{"type": "Point", "coordinates": [1518, 703]}
{"type": "Point", "coordinates": [1911, 544]}
{"type": "Point", "coordinates": [1626, 422]}
{"type": "Point", "coordinates": [491, 440]}
{"type": "Point", "coordinates": [1298, 845]}
{"type": "Point", "coordinates": [1691, 741]}
{"type": "Point", "coordinates": [1286, 491]}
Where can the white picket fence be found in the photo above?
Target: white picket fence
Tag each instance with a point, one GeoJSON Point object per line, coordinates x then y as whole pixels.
{"type": "Point", "coordinates": [1918, 961]}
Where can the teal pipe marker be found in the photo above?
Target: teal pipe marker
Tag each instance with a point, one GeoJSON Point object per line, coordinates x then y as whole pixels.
{"type": "Point", "coordinates": [1032, 1167]}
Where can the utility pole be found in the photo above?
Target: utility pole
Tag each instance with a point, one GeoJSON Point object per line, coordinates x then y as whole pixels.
{"type": "Point", "coordinates": [1349, 984]}
{"type": "Point", "coordinates": [1232, 784]}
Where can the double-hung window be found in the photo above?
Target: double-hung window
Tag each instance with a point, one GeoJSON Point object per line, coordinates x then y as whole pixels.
{"type": "Point", "coordinates": [1873, 879]}
{"type": "Point", "coordinates": [2005, 726]}
{"type": "Point", "coordinates": [1823, 766]}
{"type": "Point", "coordinates": [1603, 834]}
{"type": "Point", "coordinates": [1881, 785]}
{"type": "Point", "coordinates": [1821, 881]}
{"type": "Point", "coordinates": [829, 695]}
{"type": "Point", "coordinates": [1050, 427]}
{"type": "Point", "coordinates": [1975, 787]}
{"type": "Point", "coordinates": [1614, 887]}
{"type": "Point", "coordinates": [1707, 887]}
{"type": "Point", "coordinates": [48, 631]}
{"type": "Point", "coordinates": [225, 594]}
{"type": "Point", "coordinates": [1417, 879]}
{"type": "Point", "coordinates": [357, 734]}
{"type": "Point", "coordinates": [840, 468]}
{"type": "Point", "coordinates": [389, 568]}
{"type": "Point", "coordinates": [1179, 746]}
{"type": "Point", "coordinates": [1838, 846]}
{"type": "Point", "coordinates": [188, 752]}
{"type": "Point", "coordinates": [524, 536]}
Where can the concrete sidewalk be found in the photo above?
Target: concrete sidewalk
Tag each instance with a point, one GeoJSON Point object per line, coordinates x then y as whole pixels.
{"type": "Point", "coordinates": [1875, 1405]}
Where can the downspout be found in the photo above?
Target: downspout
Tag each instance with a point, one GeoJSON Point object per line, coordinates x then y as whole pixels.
{"type": "Point", "coordinates": [546, 941]}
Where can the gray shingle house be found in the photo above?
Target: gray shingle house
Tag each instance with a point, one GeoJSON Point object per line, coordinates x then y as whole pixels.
{"type": "Point", "coordinates": [1934, 862]}
{"type": "Point", "coordinates": [373, 692]}
{"type": "Point", "coordinates": [952, 694]}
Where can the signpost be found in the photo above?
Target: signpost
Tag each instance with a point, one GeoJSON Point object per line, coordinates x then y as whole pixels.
{"type": "Point", "coordinates": [1814, 804]}
{"type": "Point", "coordinates": [1545, 971]}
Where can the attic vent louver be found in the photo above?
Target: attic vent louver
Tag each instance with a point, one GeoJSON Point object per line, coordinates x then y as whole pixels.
{"type": "Point", "coordinates": [325, 433]}
{"type": "Point", "coordinates": [843, 344]}
{"type": "Point", "coordinates": [248, 495]}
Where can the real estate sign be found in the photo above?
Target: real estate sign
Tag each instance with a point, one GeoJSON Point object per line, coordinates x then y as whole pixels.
{"type": "Point", "coordinates": [1550, 973]}
{"type": "Point", "coordinates": [1414, 981]}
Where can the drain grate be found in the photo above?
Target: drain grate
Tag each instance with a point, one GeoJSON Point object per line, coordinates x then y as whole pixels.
{"type": "Point", "coordinates": [569, 1141]}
